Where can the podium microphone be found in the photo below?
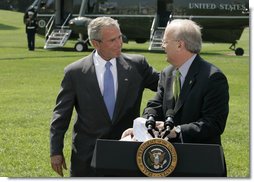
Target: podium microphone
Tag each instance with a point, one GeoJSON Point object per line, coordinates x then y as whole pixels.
{"type": "Point", "coordinates": [150, 122]}
{"type": "Point", "coordinates": [169, 122]}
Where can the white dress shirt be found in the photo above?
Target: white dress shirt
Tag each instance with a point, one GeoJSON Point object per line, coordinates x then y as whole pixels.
{"type": "Point", "coordinates": [185, 68]}
{"type": "Point", "coordinates": [99, 63]}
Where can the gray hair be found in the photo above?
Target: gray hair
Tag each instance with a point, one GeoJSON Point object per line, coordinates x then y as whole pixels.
{"type": "Point", "coordinates": [95, 26]}
{"type": "Point", "coordinates": [187, 31]}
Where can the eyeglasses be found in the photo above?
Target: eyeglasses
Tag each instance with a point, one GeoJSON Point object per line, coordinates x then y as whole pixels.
{"type": "Point", "coordinates": [166, 42]}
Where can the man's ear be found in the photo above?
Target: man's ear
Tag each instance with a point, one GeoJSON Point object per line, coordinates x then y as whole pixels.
{"type": "Point", "coordinates": [181, 44]}
{"type": "Point", "coordinates": [95, 43]}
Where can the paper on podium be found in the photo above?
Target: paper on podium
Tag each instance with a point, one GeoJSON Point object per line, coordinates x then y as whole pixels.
{"type": "Point", "coordinates": [140, 130]}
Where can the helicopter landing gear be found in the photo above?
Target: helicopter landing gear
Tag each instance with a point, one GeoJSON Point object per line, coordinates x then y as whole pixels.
{"type": "Point", "coordinates": [81, 46]}
{"type": "Point", "coordinates": [238, 51]}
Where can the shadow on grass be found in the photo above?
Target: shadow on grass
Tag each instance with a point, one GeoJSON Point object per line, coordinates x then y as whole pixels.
{"type": "Point", "coordinates": [66, 49]}
{"type": "Point", "coordinates": [127, 50]}
{"type": "Point", "coordinates": [124, 50]}
{"type": "Point", "coordinates": [133, 50]}
{"type": "Point", "coordinates": [212, 53]}
{"type": "Point", "coordinates": [7, 27]}
{"type": "Point", "coordinates": [162, 52]}
{"type": "Point", "coordinates": [37, 57]}
{"type": "Point", "coordinates": [90, 49]}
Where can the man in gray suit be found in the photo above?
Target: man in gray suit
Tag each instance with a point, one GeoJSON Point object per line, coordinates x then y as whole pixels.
{"type": "Point", "coordinates": [83, 88]}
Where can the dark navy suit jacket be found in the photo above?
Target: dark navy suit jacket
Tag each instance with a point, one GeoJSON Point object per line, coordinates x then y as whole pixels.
{"type": "Point", "coordinates": [202, 108]}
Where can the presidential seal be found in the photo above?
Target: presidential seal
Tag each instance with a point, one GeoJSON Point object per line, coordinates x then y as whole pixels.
{"type": "Point", "coordinates": [156, 158]}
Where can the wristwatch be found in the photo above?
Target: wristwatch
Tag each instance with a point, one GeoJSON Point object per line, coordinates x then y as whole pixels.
{"type": "Point", "coordinates": [178, 131]}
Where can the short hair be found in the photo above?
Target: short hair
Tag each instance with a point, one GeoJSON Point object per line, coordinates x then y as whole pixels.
{"type": "Point", "coordinates": [187, 31]}
{"type": "Point", "coordinates": [95, 26]}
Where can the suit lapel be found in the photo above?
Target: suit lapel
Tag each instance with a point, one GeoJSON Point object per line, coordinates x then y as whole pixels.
{"type": "Point", "coordinates": [190, 80]}
{"type": "Point", "coordinates": [169, 83]}
{"type": "Point", "coordinates": [89, 71]}
{"type": "Point", "coordinates": [123, 83]}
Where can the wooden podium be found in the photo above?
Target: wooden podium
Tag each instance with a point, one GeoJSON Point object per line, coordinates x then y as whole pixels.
{"type": "Point", "coordinates": [118, 158]}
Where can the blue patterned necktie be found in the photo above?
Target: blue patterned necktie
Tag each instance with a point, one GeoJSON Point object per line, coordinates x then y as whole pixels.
{"type": "Point", "coordinates": [109, 91]}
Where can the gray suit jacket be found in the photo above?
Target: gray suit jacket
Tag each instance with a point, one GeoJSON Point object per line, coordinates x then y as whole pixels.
{"type": "Point", "coordinates": [202, 108]}
{"type": "Point", "coordinates": [80, 89]}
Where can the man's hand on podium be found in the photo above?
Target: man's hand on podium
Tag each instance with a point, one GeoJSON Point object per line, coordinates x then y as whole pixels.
{"type": "Point", "coordinates": [139, 131]}
{"type": "Point", "coordinates": [128, 135]}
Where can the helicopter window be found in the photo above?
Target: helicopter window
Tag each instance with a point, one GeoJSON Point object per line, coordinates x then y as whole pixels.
{"type": "Point", "coordinates": [147, 7]}
{"type": "Point", "coordinates": [76, 6]}
{"type": "Point", "coordinates": [130, 7]}
{"type": "Point", "coordinates": [108, 8]}
{"type": "Point", "coordinates": [91, 4]}
{"type": "Point", "coordinates": [47, 6]}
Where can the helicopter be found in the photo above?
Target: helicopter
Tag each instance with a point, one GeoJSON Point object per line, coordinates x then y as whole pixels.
{"type": "Point", "coordinates": [222, 21]}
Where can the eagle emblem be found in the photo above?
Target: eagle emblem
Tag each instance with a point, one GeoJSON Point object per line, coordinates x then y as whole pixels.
{"type": "Point", "coordinates": [157, 158]}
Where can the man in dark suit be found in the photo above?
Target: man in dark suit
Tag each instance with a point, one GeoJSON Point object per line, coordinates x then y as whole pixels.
{"type": "Point", "coordinates": [83, 88]}
{"type": "Point", "coordinates": [201, 109]}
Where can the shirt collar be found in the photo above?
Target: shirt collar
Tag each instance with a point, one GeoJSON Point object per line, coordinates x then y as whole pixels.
{"type": "Point", "coordinates": [99, 61]}
{"type": "Point", "coordinates": [185, 67]}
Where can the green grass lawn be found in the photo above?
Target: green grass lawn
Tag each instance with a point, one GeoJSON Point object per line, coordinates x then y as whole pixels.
{"type": "Point", "coordinates": [30, 81]}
